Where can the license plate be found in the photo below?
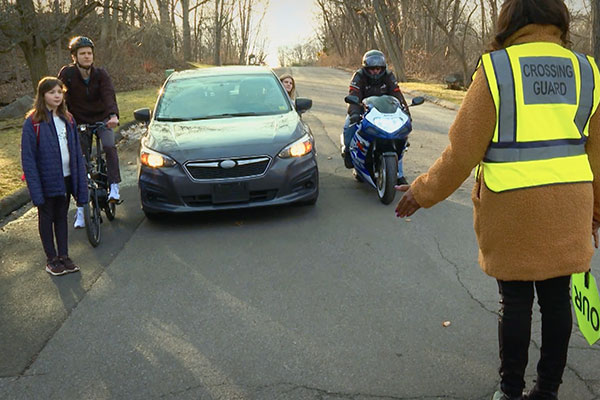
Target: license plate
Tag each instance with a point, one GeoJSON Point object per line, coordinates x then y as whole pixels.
{"type": "Point", "coordinates": [235, 192]}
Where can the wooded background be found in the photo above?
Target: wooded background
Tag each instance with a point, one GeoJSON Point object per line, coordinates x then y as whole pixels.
{"type": "Point", "coordinates": [137, 39]}
{"type": "Point", "coordinates": [428, 39]}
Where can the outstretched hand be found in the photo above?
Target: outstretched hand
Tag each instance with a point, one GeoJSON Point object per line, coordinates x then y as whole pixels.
{"type": "Point", "coordinates": [407, 205]}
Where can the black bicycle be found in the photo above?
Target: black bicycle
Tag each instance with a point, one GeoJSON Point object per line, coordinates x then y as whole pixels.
{"type": "Point", "coordinates": [97, 181]}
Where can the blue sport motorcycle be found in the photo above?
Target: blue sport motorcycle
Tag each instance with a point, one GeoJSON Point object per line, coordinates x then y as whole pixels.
{"type": "Point", "coordinates": [379, 142]}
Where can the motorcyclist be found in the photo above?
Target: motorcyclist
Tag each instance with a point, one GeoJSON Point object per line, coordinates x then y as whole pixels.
{"type": "Point", "coordinates": [373, 79]}
{"type": "Point", "coordinates": [91, 98]}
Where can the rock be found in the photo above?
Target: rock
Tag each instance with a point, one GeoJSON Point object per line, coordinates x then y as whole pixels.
{"type": "Point", "coordinates": [17, 108]}
{"type": "Point", "coordinates": [455, 81]}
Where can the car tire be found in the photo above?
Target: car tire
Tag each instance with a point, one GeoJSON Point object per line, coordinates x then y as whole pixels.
{"type": "Point", "coordinates": [152, 216]}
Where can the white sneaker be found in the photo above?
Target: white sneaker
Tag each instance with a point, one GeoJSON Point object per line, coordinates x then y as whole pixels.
{"type": "Point", "coordinates": [79, 219]}
{"type": "Point", "coordinates": [114, 192]}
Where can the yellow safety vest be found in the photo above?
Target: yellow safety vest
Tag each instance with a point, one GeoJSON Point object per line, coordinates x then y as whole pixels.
{"type": "Point", "coordinates": [544, 96]}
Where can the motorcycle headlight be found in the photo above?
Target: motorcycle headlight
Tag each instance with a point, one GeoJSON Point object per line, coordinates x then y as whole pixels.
{"type": "Point", "coordinates": [154, 159]}
{"type": "Point", "coordinates": [299, 148]}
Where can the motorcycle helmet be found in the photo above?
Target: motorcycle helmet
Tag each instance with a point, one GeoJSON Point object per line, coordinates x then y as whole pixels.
{"type": "Point", "coordinates": [374, 58]}
{"type": "Point", "coordinates": [78, 42]}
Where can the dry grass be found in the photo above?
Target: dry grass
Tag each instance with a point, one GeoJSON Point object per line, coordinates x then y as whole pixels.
{"type": "Point", "coordinates": [10, 156]}
{"type": "Point", "coordinates": [435, 89]}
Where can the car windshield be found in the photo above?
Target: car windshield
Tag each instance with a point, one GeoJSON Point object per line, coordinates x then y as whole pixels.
{"type": "Point", "coordinates": [385, 104]}
{"type": "Point", "coordinates": [224, 96]}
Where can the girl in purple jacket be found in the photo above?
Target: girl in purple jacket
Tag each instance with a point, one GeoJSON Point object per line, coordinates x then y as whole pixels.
{"type": "Point", "coordinates": [54, 170]}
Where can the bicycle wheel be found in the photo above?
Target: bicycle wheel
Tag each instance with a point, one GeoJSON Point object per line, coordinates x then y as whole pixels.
{"type": "Point", "coordinates": [91, 214]}
{"type": "Point", "coordinates": [110, 210]}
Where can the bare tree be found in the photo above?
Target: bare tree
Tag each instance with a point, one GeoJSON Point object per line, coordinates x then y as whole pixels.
{"type": "Point", "coordinates": [24, 27]}
{"type": "Point", "coordinates": [458, 47]}
{"type": "Point", "coordinates": [165, 23]}
{"type": "Point", "coordinates": [218, 30]}
{"type": "Point", "coordinates": [392, 38]}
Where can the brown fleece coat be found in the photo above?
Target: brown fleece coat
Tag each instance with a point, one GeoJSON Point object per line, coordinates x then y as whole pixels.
{"type": "Point", "coordinates": [530, 234]}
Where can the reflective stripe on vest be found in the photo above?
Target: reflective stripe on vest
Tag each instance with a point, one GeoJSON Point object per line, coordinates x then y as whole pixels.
{"type": "Point", "coordinates": [544, 96]}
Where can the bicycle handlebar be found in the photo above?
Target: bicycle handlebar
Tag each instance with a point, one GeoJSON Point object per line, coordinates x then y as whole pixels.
{"type": "Point", "coordinates": [92, 127]}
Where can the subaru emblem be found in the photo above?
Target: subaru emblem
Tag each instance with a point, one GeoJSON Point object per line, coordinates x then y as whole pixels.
{"type": "Point", "coordinates": [227, 164]}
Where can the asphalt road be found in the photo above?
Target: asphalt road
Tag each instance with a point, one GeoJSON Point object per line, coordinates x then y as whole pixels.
{"type": "Point", "coordinates": [340, 300]}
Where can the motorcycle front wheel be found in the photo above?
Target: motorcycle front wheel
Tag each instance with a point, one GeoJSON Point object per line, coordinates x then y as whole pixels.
{"type": "Point", "coordinates": [386, 178]}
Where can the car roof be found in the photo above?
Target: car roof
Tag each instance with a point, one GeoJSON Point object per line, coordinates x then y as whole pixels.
{"type": "Point", "coordinates": [221, 71]}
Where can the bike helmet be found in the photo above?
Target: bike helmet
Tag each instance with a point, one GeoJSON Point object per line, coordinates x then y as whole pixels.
{"type": "Point", "coordinates": [374, 58]}
{"type": "Point", "coordinates": [78, 42]}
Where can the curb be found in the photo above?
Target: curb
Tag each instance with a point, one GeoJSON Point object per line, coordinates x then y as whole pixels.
{"type": "Point", "coordinates": [442, 103]}
{"type": "Point", "coordinates": [14, 201]}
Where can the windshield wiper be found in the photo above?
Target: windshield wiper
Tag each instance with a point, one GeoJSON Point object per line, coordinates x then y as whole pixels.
{"type": "Point", "coordinates": [170, 119]}
{"type": "Point", "coordinates": [228, 115]}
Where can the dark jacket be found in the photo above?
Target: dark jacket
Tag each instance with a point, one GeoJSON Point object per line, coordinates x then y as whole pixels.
{"type": "Point", "coordinates": [363, 87]}
{"type": "Point", "coordinates": [42, 163]}
{"type": "Point", "coordinates": [89, 103]}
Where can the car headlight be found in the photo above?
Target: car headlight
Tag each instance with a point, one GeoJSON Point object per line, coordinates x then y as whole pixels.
{"type": "Point", "coordinates": [154, 159]}
{"type": "Point", "coordinates": [299, 148]}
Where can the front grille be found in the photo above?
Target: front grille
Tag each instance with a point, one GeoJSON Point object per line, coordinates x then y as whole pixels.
{"type": "Point", "coordinates": [244, 167]}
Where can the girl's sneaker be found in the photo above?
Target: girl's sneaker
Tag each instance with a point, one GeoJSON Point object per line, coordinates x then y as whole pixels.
{"type": "Point", "coordinates": [68, 265]}
{"type": "Point", "coordinates": [55, 267]}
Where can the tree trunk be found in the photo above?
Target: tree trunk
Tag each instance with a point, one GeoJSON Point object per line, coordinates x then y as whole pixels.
{"type": "Point", "coordinates": [174, 28]}
{"type": "Point", "coordinates": [218, 31]}
{"type": "Point", "coordinates": [245, 12]}
{"type": "Point", "coordinates": [140, 12]}
{"type": "Point", "coordinates": [165, 24]}
{"type": "Point", "coordinates": [494, 12]}
{"type": "Point", "coordinates": [596, 29]}
{"type": "Point", "coordinates": [115, 21]}
{"type": "Point", "coordinates": [105, 27]}
{"type": "Point", "coordinates": [17, 67]}
{"type": "Point", "coordinates": [483, 28]}
{"type": "Point", "coordinates": [389, 40]}
{"type": "Point", "coordinates": [35, 55]}
{"type": "Point", "coordinates": [187, 48]}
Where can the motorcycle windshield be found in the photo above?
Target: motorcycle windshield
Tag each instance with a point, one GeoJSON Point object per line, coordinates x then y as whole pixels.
{"type": "Point", "coordinates": [384, 104]}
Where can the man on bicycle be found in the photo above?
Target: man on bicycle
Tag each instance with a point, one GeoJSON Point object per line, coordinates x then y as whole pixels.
{"type": "Point", "coordinates": [91, 98]}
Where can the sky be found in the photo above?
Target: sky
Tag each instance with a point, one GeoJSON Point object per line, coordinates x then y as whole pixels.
{"type": "Point", "coordinates": [286, 23]}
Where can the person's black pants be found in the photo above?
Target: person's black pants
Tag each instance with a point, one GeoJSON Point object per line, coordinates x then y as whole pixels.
{"type": "Point", "coordinates": [52, 221]}
{"type": "Point", "coordinates": [107, 138]}
{"type": "Point", "coordinates": [514, 332]}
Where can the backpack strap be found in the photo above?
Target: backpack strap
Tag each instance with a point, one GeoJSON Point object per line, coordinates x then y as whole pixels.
{"type": "Point", "coordinates": [36, 129]}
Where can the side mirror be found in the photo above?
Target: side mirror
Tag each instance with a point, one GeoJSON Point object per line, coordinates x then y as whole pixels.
{"type": "Point", "coordinates": [352, 99]}
{"type": "Point", "coordinates": [142, 115]}
{"type": "Point", "coordinates": [303, 104]}
{"type": "Point", "coordinates": [416, 101]}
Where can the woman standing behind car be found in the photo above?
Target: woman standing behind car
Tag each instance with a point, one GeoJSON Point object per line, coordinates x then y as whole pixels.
{"type": "Point", "coordinates": [537, 195]}
{"type": "Point", "coordinates": [54, 170]}
{"type": "Point", "coordinates": [289, 84]}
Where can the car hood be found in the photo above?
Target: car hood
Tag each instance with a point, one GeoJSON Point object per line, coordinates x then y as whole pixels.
{"type": "Point", "coordinates": [224, 137]}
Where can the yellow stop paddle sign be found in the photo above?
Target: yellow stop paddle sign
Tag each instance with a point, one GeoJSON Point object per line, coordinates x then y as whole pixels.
{"type": "Point", "coordinates": [587, 305]}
